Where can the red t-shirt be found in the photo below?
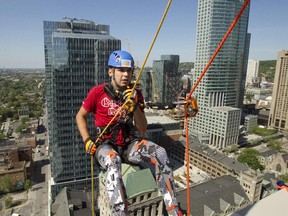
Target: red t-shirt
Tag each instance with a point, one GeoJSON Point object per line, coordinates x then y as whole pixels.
{"type": "Point", "coordinates": [104, 108]}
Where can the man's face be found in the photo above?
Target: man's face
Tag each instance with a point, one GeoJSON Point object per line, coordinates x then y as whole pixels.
{"type": "Point", "coordinates": [121, 77]}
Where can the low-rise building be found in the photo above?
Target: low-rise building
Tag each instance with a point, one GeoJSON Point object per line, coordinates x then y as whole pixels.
{"type": "Point", "coordinates": [249, 122]}
{"type": "Point", "coordinates": [274, 161]}
{"type": "Point", "coordinates": [71, 202]}
{"type": "Point", "coordinates": [142, 192]}
{"type": "Point", "coordinates": [17, 172]}
{"type": "Point", "coordinates": [211, 161]}
{"type": "Point", "coordinates": [219, 196]}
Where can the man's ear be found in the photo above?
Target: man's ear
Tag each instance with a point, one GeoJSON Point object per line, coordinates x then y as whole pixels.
{"type": "Point", "coordinates": [110, 72]}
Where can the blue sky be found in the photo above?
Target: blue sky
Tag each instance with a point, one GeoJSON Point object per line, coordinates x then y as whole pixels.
{"type": "Point", "coordinates": [135, 21]}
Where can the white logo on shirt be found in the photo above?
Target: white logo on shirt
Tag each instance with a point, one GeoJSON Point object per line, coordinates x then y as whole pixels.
{"type": "Point", "coordinates": [113, 106]}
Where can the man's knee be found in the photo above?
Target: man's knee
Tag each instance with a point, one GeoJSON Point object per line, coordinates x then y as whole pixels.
{"type": "Point", "coordinates": [107, 157]}
{"type": "Point", "coordinates": [161, 152]}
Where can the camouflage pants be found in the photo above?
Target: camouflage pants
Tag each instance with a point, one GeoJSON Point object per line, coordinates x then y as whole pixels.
{"type": "Point", "coordinates": [138, 152]}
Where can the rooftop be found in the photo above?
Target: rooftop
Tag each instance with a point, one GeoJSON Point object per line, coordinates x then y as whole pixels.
{"type": "Point", "coordinates": [68, 201]}
{"type": "Point", "coordinates": [216, 195]}
{"type": "Point", "coordinates": [275, 204]}
{"type": "Point", "coordinates": [82, 36]}
{"type": "Point", "coordinates": [216, 155]}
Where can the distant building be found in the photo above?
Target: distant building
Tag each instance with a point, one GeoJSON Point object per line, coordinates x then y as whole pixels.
{"type": "Point", "coordinates": [252, 71]}
{"type": "Point", "coordinates": [17, 172]}
{"type": "Point", "coordinates": [16, 160]}
{"type": "Point", "coordinates": [221, 91]}
{"type": "Point", "coordinates": [24, 112]}
{"type": "Point", "coordinates": [76, 58]}
{"type": "Point", "coordinates": [250, 121]}
{"type": "Point", "coordinates": [274, 161]}
{"type": "Point", "coordinates": [278, 117]}
{"type": "Point", "coordinates": [164, 81]}
{"type": "Point", "coordinates": [263, 117]}
{"type": "Point", "coordinates": [258, 95]}
{"type": "Point", "coordinates": [162, 130]}
{"type": "Point", "coordinates": [249, 108]}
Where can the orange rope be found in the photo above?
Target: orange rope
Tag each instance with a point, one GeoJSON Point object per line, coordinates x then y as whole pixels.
{"type": "Point", "coordinates": [193, 89]}
{"type": "Point", "coordinates": [187, 164]}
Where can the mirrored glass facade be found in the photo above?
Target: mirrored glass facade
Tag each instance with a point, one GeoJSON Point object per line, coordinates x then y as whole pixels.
{"type": "Point", "coordinates": [166, 79]}
{"type": "Point", "coordinates": [76, 56]}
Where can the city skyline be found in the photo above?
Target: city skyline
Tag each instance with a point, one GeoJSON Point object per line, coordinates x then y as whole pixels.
{"type": "Point", "coordinates": [22, 36]}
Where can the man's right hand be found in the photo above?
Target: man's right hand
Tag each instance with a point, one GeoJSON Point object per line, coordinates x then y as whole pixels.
{"type": "Point", "coordinates": [90, 146]}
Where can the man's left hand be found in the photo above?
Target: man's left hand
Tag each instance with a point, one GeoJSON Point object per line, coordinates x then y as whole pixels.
{"type": "Point", "coordinates": [130, 97]}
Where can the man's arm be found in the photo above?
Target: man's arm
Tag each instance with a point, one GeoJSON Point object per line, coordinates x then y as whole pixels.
{"type": "Point", "coordinates": [140, 120]}
{"type": "Point", "coordinates": [81, 119]}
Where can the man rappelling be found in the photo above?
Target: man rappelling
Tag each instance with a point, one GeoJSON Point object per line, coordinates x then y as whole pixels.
{"type": "Point", "coordinates": [118, 143]}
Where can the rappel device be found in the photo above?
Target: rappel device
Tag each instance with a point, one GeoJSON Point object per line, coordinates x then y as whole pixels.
{"type": "Point", "coordinates": [190, 106]}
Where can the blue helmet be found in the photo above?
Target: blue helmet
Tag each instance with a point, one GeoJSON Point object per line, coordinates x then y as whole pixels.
{"type": "Point", "coordinates": [121, 59]}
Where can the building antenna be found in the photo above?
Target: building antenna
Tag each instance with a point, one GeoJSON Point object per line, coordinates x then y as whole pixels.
{"type": "Point", "coordinates": [71, 21]}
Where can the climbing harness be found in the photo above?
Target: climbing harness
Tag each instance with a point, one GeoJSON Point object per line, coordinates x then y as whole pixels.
{"type": "Point", "coordinates": [114, 95]}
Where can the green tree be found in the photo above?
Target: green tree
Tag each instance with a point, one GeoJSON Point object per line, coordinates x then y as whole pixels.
{"type": "Point", "coordinates": [2, 136]}
{"type": "Point", "coordinates": [24, 120]}
{"type": "Point", "coordinates": [267, 69]}
{"type": "Point", "coordinates": [283, 177]}
{"type": "Point", "coordinates": [8, 202]}
{"type": "Point", "coordinates": [275, 145]}
{"type": "Point", "coordinates": [262, 131]}
{"type": "Point", "coordinates": [15, 95]}
{"type": "Point", "coordinates": [20, 128]}
{"type": "Point", "coordinates": [249, 97]}
{"type": "Point", "coordinates": [250, 156]}
{"type": "Point", "coordinates": [6, 185]}
{"type": "Point", "coordinates": [27, 185]}
{"type": "Point", "coordinates": [15, 116]}
{"type": "Point", "coordinates": [231, 148]}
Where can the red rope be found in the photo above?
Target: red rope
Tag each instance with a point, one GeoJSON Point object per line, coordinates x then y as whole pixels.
{"type": "Point", "coordinates": [187, 164]}
{"type": "Point", "coordinates": [193, 89]}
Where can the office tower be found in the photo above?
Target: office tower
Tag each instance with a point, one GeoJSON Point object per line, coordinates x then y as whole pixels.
{"type": "Point", "coordinates": [252, 71]}
{"type": "Point", "coordinates": [76, 55]}
{"type": "Point", "coordinates": [165, 79]}
{"type": "Point", "coordinates": [278, 117]}
{"type": "Point", "coordinates": [220, 93]}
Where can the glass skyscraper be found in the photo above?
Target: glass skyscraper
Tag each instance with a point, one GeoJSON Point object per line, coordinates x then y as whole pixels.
{"type": "Point", "coordinates": [76, 55]}
{"type": "Point", "coordinates": [220, 93]}
{"type": "Point", "coordinates": [166, 79]}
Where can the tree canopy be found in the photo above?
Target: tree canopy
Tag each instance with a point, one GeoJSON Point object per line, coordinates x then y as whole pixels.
{"type": "Point", "coordinates": [250, 157]}
{"type": "Point", "coordinates": [21, 91]}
